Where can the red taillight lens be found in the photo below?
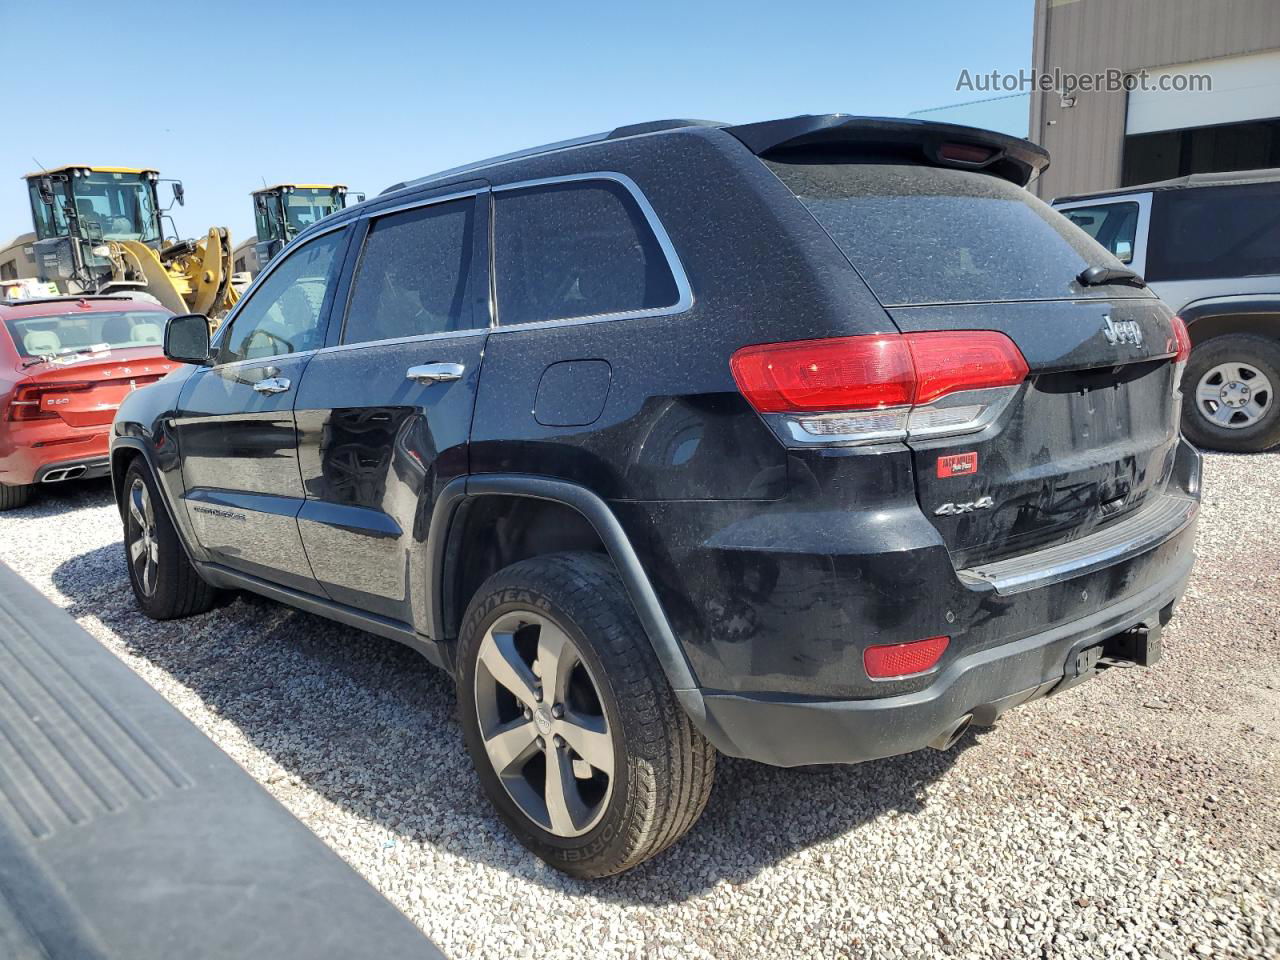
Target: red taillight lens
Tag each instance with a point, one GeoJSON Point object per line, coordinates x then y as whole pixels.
{"type": "Point", "coordinates": [843, 373]}
{"type": "Point", "coordinates": [893, 660]}
{"type": "Point", "coordinates": [949, 361]}
{"type": "Point", "coordinates": [1182, 339]}
{"type": "Point", "coordinates": [28, 400]}
{"type": "Point", "coordinates": [883, 372]}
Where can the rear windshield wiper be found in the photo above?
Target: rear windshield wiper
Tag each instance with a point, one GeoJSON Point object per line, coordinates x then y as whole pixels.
{"type": "Point", "coordinates": [1101, 276]}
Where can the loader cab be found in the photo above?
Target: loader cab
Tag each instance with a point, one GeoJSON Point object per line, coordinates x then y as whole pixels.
{"type": "Point", "coordinates": [96, 204]}
{"type": "Point", "coordinates": [79, 212]}
{"type": "Point", "coordinates": [282, 211]}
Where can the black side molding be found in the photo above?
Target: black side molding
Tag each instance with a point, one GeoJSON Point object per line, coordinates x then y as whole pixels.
{"type": "Point", "coordinates": [228, 579]}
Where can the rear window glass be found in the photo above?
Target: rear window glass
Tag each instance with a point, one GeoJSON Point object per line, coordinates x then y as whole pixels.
{"type": "Point", "coordinates": [66, 334]}
{"type": "Point", "coordinates": [921, 234]}
{"type": "Point", "coordinates": [1201, 234]}
{"type": "Point", "coordinates": [576, 249]}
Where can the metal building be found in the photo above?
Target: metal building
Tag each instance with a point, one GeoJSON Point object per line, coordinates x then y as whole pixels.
{"type": "Point", "coordinates": [1105, 139]}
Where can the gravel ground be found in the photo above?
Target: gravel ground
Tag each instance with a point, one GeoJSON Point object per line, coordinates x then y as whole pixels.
{"type": "Point", "coordinates": [1135, 816]}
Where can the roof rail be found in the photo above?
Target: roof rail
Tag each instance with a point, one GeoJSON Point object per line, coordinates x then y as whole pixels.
{"type": "Point", "coordinates": [491, 161]}
{"type": "Point", "coordinates": [657, 126]}
{"type": "Point", "coordinates": [631, 130]}
{"type": "Point", "coordinates": [1011, 157]}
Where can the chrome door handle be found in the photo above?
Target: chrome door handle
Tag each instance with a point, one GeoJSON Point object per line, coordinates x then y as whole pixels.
{"type": "Point", "coordinates": [272, 385]}
{"type": "Point", "coordinates": [435, 372]}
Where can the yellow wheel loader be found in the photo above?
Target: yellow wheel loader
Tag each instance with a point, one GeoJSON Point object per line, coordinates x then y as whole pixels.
{"type": "Point", "coordinates": [281, 212]}
{"type": "Point", "coordinates": [102, 230]}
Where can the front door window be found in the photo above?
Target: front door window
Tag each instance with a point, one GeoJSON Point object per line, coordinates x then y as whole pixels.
{"type": "Point", "coordinates": [283, 314]}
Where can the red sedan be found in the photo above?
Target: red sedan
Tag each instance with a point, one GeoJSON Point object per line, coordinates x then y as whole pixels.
{"type": "Point", "coordinates": [65, 365]}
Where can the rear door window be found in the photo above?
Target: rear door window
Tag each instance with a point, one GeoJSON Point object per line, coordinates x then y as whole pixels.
{"type": "Point", "coordinates": [1220, 232]}
{"type": "Point", "coordinates": [414, 274]}
{"type": "Point", "coordinates": [921, 234]}
{"type": "Point", "coordinates": [1114, 225]}
{"type": "Point", "coordinates": [581, 248]}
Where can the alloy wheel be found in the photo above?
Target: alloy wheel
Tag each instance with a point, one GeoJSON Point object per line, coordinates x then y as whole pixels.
{"type": "Point", "coordinates": [1234, 395]}
{"type": "Point", "coordinates": [543, 723]}
{"type": "Point", "coordinates": [144, 545]}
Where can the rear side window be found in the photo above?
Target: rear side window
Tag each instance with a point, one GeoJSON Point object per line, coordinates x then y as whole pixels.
{"type": "Point", "coordinates": [1201, 234]}
{"type": "Point", "coordinates": [414, 274]}
{"type": "Point", "coordinates": [921, 234]}
{"type": "Point", "coordinates": [576, 249]}
{"type": "Point", "coordinates": [1114, 225]}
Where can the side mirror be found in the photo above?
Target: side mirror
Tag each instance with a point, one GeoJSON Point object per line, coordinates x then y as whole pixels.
{"type": "Point", "coordinates": [261, 203]}
{"type": "Point", "coordinates": [1124, 251]}
{"type": "Point", "coordinates": [179, 193]}
{"type": "Point", "coordinates": [45, 189]}
{"type": "Point", "coordinates": [186, 338]}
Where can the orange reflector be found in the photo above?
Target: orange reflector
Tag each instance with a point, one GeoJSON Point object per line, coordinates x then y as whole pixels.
{"type": "Point", "coordinates": [896, 660]}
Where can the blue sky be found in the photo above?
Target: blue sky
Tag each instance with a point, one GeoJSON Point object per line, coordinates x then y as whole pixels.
{"type": "Point", "coordinates": [227, 96]}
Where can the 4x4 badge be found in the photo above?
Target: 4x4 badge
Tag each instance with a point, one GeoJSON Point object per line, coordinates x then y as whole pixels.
{"type": "Point", "coordinates": [950, 509]}
{"type": "Point", "coordinates": [1121, 331]}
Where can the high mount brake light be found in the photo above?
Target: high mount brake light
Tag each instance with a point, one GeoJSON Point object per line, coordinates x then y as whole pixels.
{"type": "Point", "coordinates": [883, 386]}
{"type": "Point", "coordinates": [27, 400]}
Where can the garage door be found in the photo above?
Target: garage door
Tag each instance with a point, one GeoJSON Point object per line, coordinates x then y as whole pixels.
{"type": "Point", "coordinates": [1244, 88]}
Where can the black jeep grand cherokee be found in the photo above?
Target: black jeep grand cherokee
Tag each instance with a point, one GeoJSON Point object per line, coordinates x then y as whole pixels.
{"type": "Point", "coordinates": [807, 441]}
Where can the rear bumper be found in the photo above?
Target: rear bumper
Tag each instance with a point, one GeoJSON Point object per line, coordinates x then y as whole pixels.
{"type": "Point", "coordinates": [786, 731]}
{"type": "Point", "coordinates": [30, 454]}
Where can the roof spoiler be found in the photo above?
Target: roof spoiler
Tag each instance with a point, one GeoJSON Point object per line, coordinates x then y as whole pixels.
{"type": "Point", "coordinates": [938, 144]}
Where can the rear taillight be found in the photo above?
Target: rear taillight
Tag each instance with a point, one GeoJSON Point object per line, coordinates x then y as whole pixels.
{"type": "Point", "coordinates": [893, 661]}
{"type": "Point", "coordinates": [846, 373]}
{"type": "Point", "coordinates": [881, 387]}
{"type": "Point", "coordinates": [29, 400]}
{"type": "Point", "coordinates": [1182, 340]}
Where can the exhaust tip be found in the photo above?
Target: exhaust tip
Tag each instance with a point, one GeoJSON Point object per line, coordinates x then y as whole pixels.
{"type": "Point", "coordinates": [947, 739]}
{"type": "Point", "coordinates": [63, 473]}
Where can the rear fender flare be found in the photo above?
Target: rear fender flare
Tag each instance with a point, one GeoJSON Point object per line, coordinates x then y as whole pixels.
{"type": "Point", "coordinates": [1250, 314]}
{"type": "Point", "coordinates": [639, 588]}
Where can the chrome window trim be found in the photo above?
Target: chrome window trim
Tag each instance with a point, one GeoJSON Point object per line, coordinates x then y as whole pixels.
{"type": "Point", "coordinates": [419, 338]}
{"type": "Point", "coordinates": [674, 264]}
{"type": "Point", "coordinates": [367, 219]}
{"type": "Point", "coordinates": [230, 319]}
{"type": "Point", "coordinates": [412, 204]}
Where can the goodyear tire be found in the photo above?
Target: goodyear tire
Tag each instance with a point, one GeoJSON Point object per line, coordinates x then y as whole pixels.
{"type": "Point", "coordinates": [577, 738]}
